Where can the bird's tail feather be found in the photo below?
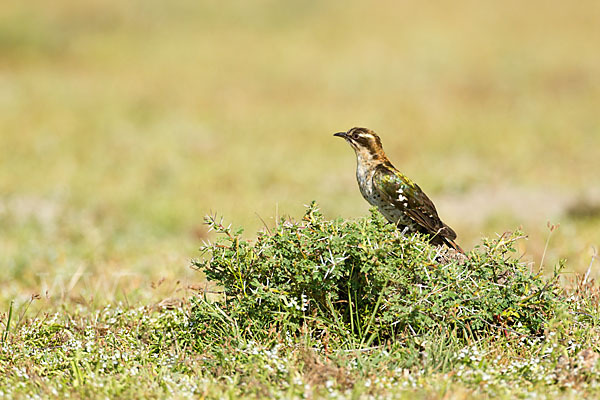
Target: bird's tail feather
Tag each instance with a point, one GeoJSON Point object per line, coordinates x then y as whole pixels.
{"type": "Point", "coordinates": [453, 245]}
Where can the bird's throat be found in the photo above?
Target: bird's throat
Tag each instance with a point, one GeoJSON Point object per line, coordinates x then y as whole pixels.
{"type": "Point", "coordinates": [369, 158]}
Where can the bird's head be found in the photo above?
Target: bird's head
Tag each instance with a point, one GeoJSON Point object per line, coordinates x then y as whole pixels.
{"type": "Point", "coordinates": [365, 143]}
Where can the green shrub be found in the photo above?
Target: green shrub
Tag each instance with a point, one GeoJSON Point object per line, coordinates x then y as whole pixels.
{"type": "Point", "coordinates": [361, 282]}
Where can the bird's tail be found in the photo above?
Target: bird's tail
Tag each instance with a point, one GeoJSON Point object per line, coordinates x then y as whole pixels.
{"type": "Point", "coordinates": [453, 245]}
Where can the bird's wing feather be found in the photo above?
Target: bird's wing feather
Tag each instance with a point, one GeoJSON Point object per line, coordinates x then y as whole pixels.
{"type": "Point", "coordinates": [408, 197]}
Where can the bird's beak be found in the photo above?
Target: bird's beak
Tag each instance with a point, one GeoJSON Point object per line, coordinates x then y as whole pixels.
{"type": "Point", "coordinates": [341, 134]}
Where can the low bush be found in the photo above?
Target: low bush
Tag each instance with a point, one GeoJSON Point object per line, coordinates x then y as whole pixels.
{"type": "Point", "coordinates": [360, 283]}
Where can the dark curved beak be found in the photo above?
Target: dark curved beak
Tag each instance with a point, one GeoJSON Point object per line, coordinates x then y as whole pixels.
{"type": "Point", "coordinates": [341, 134]}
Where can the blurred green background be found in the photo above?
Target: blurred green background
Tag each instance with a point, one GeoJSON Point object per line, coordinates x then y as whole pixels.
{"type": "Point", "coordinates": [122, 123]}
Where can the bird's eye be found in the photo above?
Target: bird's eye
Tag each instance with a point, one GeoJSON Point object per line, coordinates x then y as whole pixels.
{"type": "Point", "coordinates": [355, 136]}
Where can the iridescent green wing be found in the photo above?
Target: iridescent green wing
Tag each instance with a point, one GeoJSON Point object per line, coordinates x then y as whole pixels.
{"type": "Point", "coordinates": [408, 197]}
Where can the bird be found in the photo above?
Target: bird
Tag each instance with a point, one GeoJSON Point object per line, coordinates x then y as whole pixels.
{"type": "Point", "coordinates": [400, 200]}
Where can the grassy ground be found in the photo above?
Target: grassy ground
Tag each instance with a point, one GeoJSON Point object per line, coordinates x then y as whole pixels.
{"type": "Point", "coordinates": [123, 123]}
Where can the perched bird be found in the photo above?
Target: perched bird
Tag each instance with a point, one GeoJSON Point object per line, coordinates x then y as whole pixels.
{"type": "Point", "coordinates": [400, 200]}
